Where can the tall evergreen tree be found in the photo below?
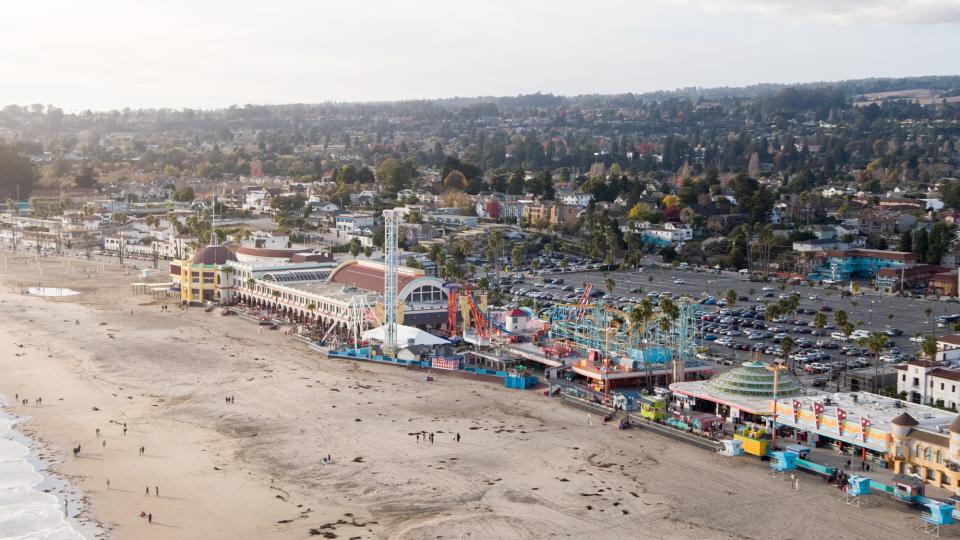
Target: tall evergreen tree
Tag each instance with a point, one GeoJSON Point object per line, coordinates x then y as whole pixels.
{"type": "Point", "coordinates": [906, 241]}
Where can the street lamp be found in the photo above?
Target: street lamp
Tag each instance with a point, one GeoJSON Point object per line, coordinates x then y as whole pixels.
{"type": "Point", "coordinates": [775, 368]}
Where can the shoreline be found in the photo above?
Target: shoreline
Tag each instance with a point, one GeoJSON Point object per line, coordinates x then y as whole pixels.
{"type": "Point", "coordinates": [77, 523]}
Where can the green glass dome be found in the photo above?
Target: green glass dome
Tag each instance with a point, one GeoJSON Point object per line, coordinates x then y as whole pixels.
{"type": "Point", "coordinates": [753, 379]}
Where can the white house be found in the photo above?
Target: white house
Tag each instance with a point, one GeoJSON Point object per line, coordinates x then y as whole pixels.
{"type": "Point", "coordinates": [349, 225]}
{"type": "Point", "coordinates": [929, 383]}
{"type": "Point", "coordinates": [575, 198]}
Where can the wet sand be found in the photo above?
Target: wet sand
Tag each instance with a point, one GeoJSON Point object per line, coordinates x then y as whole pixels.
{"type": "Point", "coordinates": [526, 467]}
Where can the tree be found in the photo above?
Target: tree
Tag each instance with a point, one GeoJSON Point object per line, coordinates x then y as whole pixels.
{"type": "Point", "coordinates": [929, 347]}
{"type": "Point", "coordinates": [787, 345]}
{"type": "Point", "coordinates": [906, 242]}
{"type": "Point", "coordinates": [516, 183]}
{"type": "Point", "coordinates": [731, 298]}
{"type": "Point", "coordinates": [455, 180]}
{"type": "Point", "coordinates": [819, 322]}
{"type": "Point", "coordinates": [609, 284]}
{"type": "Point", "coordinates": [516, 256]}
{"type": "Point", "coordinates": [355, 247]}
{"type": "Point", "coordinates": [396, 175]}
{"type": "Point", "coordinates": [184, 194]}
{"type": "Point", "coordinates": [921, 244]}
{"type": "Point", "coordinates": [876, 342]}
{"type": "Point", "coordinates": [17, 174]}
{"type": "Point", "coordinates": [86, 178]}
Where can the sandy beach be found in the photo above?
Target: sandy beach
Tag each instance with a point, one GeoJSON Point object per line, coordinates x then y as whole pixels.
{"type": "Point", "coordinates": [526, 466]}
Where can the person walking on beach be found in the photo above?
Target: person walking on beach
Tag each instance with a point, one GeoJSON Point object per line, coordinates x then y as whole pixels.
{"type": "Point", "coordinates": [157, 492]}
{"type": "Point", "coordinates": [458, 437]}
{"type": "Point", "coordinates": [98, 433]}
{"type": "Point", "coordinates": [589, 419]}
{"type": "Point", "coordinates": [148, 490]}
{"type": "Point", "coordinates": [150, 517]}
{"type": "Point", "coordinates": [418, 438]}
{"type": "Point", "coordinates": [104, 443]}
{"type": "Point", "coordinates": [108, 483]}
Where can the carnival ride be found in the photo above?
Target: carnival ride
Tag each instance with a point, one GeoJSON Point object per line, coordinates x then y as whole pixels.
{"type": "Point", "coordinates": [660, 341]}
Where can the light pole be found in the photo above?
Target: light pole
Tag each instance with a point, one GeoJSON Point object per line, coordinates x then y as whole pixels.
{"type": "Point", "coordinates": [775, 368]}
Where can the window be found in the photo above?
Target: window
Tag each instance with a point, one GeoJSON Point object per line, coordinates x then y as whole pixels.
{"type": "Point", "coordinates": [916, 381]}
{"type": "Point", "coordinates": [903, 378]}
{"type": "Point", "coordinates": [928, 454]}
{"type": "Point", "coordinates": [941, 386]}
{"type": "Point", "coordinates": [953, 388]}
{"type": "Point", "coordinates": [939, 457]}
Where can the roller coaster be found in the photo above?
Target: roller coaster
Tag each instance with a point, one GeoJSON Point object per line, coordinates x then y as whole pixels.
{"type": "Point", "coordinates": [636, 344]}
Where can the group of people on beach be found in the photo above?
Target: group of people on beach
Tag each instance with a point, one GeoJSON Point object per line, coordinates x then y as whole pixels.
{"type": "Point", "coordinates": [26, 401]}
{"type": "Point", "coordinates": [229, 399]}
{"type": "Point", "coordinates": [430, 436]}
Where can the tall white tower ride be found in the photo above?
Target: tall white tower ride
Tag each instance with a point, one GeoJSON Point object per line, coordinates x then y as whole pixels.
{"type": "Point", "coordinates": [391, 226]}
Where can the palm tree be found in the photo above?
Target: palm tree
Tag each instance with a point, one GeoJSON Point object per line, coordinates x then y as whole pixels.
{"type": "Point", "coordinates": [876, 342]}
{"type": "Point", "coordinates": [731, 297]}
{"type": "Point", "coordinates": [819, 322]}
{"type": "Point", "coordinates": [787, 345]}
{"type": "Point", "coordinates": [929, 347]}
{"type": "Point", "coordinates": [928, 312]}
{"type": "Point", "coordinates": [608, 284]}
{"type": "Point", "coordinates": [841, 318]}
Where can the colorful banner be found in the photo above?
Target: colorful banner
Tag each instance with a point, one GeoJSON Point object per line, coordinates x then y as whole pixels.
{"type": "Point", "coordinates": [817, 411]}
{"type": "Point", "coordinates": [864, 424]}
{"type": "Point", "coordinates": [841, 417]}
{"type": "Point", "coordinates": [796, 411]}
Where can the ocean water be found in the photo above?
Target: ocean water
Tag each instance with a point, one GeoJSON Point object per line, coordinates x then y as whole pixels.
{"type": "Point", "coordinates": [50, 291]}
{"type": "Point", "coordinates": [26, 511]}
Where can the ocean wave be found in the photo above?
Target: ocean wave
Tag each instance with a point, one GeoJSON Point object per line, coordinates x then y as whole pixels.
{"type": "Point", "coordinates": [26, 512]}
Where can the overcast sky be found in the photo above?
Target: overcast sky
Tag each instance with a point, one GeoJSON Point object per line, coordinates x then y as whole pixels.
{"type": "Point", "coordinates": [103, 54]}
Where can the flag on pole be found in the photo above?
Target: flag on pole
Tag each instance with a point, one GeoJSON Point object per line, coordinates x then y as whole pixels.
{"type": "Point", "coordinates": [841, 418]}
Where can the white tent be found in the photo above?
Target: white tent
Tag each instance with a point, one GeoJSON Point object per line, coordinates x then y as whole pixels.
{"type": "Point", "coordinates": [406, 335]}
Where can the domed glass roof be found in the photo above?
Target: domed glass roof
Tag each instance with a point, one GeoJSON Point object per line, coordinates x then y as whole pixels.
{"type": "Point", "coordinates": [753, 379]}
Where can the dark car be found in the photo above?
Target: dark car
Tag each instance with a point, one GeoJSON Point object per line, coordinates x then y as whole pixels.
{"type": "Point", "coordinates": [826, 308]}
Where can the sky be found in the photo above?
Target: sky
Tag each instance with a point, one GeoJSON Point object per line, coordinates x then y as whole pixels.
{"type": "Point", "coordinates": [106, 54]}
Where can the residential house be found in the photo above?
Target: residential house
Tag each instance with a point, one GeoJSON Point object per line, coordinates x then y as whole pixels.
{"type": "Point", "coordinates": [884, 222]}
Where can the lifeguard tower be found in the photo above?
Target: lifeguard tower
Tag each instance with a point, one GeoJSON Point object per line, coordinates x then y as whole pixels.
{"type": "Point", "coordinates": [858, 487]}
{"type": "Point", "coordinates": [781, 462]}
{"type": "Point", "coordinates": [936, 515]}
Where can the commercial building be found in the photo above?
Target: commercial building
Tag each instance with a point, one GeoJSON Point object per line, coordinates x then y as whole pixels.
{"type": "Point", "coordinates": [905, 437]}
{"type": "Point", "coordinates": [907, 277]}
{"type": "Point", "coordinates": [844, 264]}
{"type": "Point", "coordinates": [931, 382]}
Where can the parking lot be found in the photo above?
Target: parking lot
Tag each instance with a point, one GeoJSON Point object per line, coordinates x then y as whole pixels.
{"type": "Point", "coordinates": [736, 332]}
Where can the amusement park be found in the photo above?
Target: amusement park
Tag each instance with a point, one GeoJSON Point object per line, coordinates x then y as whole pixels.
{"type": "Point", "coordinates": [640, 368]}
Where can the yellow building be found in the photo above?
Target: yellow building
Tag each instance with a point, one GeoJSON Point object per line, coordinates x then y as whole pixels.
{"type": "Point", "coordinates": [934, 457]}
{"type": "Point", "coordinates": [200, 276]}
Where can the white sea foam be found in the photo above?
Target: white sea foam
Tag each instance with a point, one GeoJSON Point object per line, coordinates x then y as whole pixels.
{"type": "Point", "coordinates": [26, 512]}
{"type": "Point", "coordinates": [51, 291]}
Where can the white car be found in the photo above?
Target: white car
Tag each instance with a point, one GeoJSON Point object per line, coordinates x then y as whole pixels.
{"type": "Point", "coordinates": [768, 289]}
{"type": "Point", "coordinates": [814, 297]}
{"type": "Point", "coordinates": [679, 281]}
{"type": "Point", "coordinates": [917, 339]}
